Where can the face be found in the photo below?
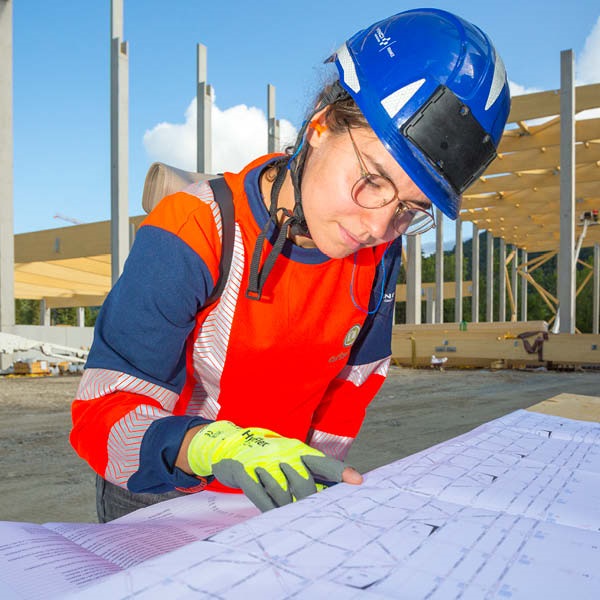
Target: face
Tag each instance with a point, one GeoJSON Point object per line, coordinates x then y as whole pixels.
{"type": "Point", "coordinates": [339, 227]}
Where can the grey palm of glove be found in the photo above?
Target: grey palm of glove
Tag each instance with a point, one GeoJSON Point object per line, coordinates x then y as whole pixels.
{"type": "Point", "coordinates": [270, 469]}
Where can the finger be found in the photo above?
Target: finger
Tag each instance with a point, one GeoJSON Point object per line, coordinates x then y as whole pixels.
{"type": "Point", "coordinates": [232, 473]}
{"type": "Point", "coordinates": [352, 476]}
{"type": "Point", "coordinates": [278, 495]}
{"type": "Point", "coordinates": [324, 467]}
{"type": "Point", "coordinates": [300, 486]}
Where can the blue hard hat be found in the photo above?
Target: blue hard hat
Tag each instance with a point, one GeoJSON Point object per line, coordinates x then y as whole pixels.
{"type": "Point", "coordinates": [435, 92]}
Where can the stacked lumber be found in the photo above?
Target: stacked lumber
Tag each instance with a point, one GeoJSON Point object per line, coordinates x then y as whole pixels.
{"type": "Point", "coordinates": [496, 345]}
{"type": "Point", "coordinates": [33, 367]}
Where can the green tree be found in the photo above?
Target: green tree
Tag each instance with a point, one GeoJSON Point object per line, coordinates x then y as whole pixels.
{"type": "Point", "coordinates": [537, 309]}
{"type": "Point", "coordinates": [27, 312]}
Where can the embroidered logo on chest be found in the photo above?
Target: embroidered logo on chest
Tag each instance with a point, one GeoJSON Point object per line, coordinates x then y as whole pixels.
{"type": "Point", "coordinates": [349, 339]}
{"type": "Point", "coordinates": [351, 335]}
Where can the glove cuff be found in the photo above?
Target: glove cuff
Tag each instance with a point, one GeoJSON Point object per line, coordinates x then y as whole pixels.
{"type": "Point", "coordinates": [205, 443]}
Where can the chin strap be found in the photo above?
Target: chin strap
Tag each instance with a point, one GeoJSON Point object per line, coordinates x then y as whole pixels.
{"type": "Point", "coordinates": [294, 222]}
{"type": "Point", "coordinates": [259, 274]}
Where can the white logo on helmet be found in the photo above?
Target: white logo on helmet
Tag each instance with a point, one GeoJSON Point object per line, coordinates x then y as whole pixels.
{"type": "Point", "coordinates": [384, 41]}
{"type": "Point", "coordinates": [381, 38]}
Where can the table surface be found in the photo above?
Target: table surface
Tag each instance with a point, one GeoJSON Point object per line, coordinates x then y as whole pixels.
{"type": "Point", "coordinates": [571, 406]}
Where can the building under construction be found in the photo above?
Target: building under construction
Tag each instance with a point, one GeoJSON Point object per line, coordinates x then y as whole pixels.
{"type": "Point", "coordinates": [538, 200]}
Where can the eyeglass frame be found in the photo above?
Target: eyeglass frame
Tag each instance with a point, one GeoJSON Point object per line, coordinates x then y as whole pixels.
{"type": "Point", "coordinates": [402, 209]}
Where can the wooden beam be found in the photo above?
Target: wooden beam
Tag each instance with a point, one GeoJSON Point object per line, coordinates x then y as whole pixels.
{"type": "Point", "coordinates": [473, 347]}
{"type": "Point", "coordinates": [497, 328]}
{"type": "Point", "coordinates": [58, 285]}
{"type": "Point", "coordinates": [542, 158]}
{"type": "Point", "coordinates": [66, 274]}
{"type": "Point", "coordinates": [571, 406]}
{"type": "Point", "coordinates": [449, 288]}
{"type": "Point", "coordinates": [89, 239]}
{"type": "Point", "coordinates": [587, 173]}
{"type": "Point", "coordinates": [544, 200]}
{"type": "Point", "coordinates": [75, 301]}
{"type": "Point", "coordinates": [585, 130]}
{"type": "Point", "coordinates": [546, 104]}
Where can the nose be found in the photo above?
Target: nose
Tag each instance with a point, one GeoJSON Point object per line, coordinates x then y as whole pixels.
{"type": "Point", "coordinates": [378, 221]}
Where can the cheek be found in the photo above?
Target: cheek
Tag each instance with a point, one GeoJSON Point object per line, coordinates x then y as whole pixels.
{"type": "Point", "coordinates": [326, 190]}
{"type": "Point", "coordinates": [326, 193]}
{"type": "Point", "coordinates": [325, 205]}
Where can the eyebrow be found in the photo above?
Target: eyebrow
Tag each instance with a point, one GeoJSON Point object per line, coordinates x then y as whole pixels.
{"type": "Point", "coordinates": [378, 166]}
{"type": "Point", "coordinates": [424, 205]}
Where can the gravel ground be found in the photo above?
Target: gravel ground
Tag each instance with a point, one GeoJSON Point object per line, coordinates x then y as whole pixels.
{"type": "Point", "coordinates": [43, 479]}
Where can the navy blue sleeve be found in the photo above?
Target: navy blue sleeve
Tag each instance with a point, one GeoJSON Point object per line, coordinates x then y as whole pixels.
{"type": "Point", "coordinates": [142, 330]}
{"type": "Point", "coordinates": [374, 342]}
{"type": "Point", "coordinates": [147, 317]}
{"type": "Point", "coordinates": [160, 446]}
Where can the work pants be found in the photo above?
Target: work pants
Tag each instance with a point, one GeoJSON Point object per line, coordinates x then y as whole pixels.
{"type": "Point", "coordinates": [113, 501]}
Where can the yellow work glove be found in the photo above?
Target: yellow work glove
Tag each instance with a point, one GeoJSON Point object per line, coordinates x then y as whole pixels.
{"type": "Point", "coordinates": [270, 469]}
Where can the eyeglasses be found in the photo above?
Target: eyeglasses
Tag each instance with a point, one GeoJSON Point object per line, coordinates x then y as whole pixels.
{"type": "Point", "coordinates": [376, 191]}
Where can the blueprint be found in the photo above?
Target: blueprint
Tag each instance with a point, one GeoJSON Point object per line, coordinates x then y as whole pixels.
{"type": "Point", "coordinates": [508, 510]}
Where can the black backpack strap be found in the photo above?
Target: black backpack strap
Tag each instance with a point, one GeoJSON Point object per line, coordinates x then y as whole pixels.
{"type": "Point", "coordinates": [224, 199]}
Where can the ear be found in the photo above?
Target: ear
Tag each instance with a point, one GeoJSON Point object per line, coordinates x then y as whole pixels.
{"type": "Point", "coordinates": [317, 128]}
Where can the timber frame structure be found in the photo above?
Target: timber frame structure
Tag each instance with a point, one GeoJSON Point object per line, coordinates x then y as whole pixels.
{"type": "Point", "coordinates": [517, 199]}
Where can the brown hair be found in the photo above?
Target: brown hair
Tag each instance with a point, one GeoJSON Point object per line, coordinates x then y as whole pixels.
{"type": "Point", "coordinates": [342, 113]}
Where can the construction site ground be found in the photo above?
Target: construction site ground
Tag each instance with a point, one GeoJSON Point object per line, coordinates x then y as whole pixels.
{"type": "Point", "coordinates": [43, 480]}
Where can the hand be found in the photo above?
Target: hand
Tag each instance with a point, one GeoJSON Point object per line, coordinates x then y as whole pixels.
{"type": "Point", "coordinates": [270, 469]}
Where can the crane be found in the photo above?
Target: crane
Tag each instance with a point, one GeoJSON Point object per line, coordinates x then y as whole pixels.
{"type": "Point", "coordinates": [68, 219]}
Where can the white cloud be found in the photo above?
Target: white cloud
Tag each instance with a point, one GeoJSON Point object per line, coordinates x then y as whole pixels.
{"type": "Point", "coordinates": [587, 67]}
{"type": "Point", "coordinates": [239, 134]}
{"type": "Point", "coordinates": [516, 89]}
{"type": "Point", "coordinates": [588, 62]}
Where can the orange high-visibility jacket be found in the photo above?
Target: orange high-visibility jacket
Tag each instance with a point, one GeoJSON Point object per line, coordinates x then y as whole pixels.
{"type": "Point", "coordinates": [304, 361]}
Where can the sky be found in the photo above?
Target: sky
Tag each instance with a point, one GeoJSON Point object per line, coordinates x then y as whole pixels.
{"type": "Point", "coordinates": [61, 76]}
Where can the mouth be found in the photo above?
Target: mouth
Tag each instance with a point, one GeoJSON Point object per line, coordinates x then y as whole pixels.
{"type": "Point", "coordinates": [350, 240]}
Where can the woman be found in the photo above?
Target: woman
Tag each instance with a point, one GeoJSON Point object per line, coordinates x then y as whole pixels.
{"type": "Point", "coordinates": [266, 389]}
